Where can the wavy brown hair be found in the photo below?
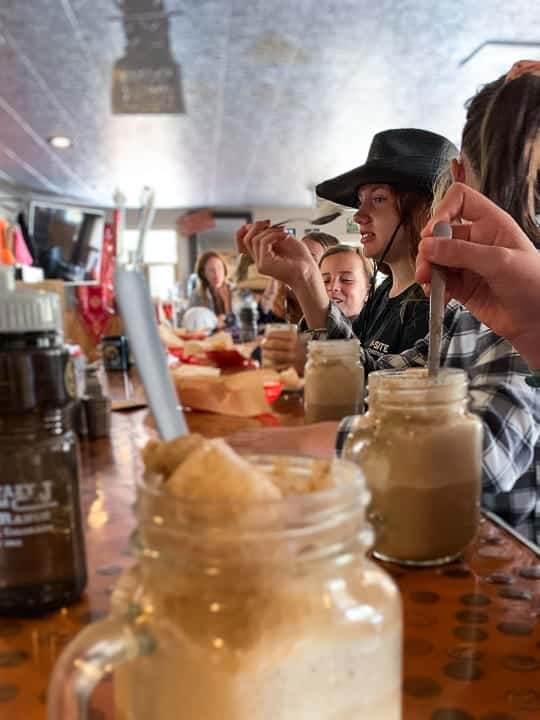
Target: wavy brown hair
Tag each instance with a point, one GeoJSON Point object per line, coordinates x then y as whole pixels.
{"type": "Point", "coordinates": [501, 139]}
{"type": "Point", "coordinates": [325, 240]}
{"type": "Point", "coordinates": [510, 138]}
{"type": "Point", "coordinates": [203, 283]}
{"type": "Point", "coordinates": [201, 264]}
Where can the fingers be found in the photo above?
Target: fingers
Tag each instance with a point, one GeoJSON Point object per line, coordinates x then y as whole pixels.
{"type": "Point", "coordinates": [264, 245]}
{"type": "Point", "coordinates": [280, 338]}
{"type": "Point", "coordinates": [463, 203]}
{"type": "Point", "coordinates": [246, 232]}
{"type": "Point", "coordinates": [520, 68]}
{"type": "Point", "coordinates": [254, 240]}
{"type": "Point", "coordinates": [423, 271]}
{"type": "Point", "coordinates": [483, 260]}
{"type": "Point", "coordinates": [461, 232]}
{"type": "Point", "coordinates": [449, 209]}
{"type": "Point", "coordinates": [278, 349]}
{"type": "Point", "coordinates": [458, 287]}
{"type": "Point", "coordinates": [277, 358]}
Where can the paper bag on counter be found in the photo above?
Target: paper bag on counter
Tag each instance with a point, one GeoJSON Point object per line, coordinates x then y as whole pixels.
{"type": "Point", "coordinates": [169, 338]}
{"type": "Point", "coordinates": [241, 394]}
{"type": "Point", "coordinates": [219, 341]}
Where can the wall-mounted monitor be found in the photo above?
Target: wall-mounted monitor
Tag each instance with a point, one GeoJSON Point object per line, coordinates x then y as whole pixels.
{"type": "Point", "coordinates": [68, 241]}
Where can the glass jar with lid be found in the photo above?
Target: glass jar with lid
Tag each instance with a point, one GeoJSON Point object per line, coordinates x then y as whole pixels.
{"type": "Point", "coordinates": [334, 380]}
{"type": "Point", "coordinates": [421, 451]}
{"type": "Point", "coordinates": [269, 610]}
{"type": "Point", "coordinates": [42, 556]}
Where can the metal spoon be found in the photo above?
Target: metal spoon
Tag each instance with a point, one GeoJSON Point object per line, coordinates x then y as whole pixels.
{"type": "Point", "coordinates": [322, 220]}
{"type": "Point", "coordinates": [437, 305]}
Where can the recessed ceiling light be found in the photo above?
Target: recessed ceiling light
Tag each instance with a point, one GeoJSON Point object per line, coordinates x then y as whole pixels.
{"type": "Point", "coordinates": [60, 141]}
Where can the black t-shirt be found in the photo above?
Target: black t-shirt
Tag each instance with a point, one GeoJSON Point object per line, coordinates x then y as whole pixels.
{"type": "Point", "coordinates": [390, 325]}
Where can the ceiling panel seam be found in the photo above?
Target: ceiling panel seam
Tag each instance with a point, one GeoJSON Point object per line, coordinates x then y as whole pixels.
{"type": "Point", "coordinates": [73, 21]}
{"type": "Point", "coordinates": [43, 144]}
{"type": "Point", "coordinates": [64, 113]}
{"type": "Point", "coordinates": [44, 85]}
{"type": "Point", "coordinates": [218, 127]}
{"type": "Point", "coordinates": [6, 176]}
{"type": "Point", "coordinates": [30, 169]}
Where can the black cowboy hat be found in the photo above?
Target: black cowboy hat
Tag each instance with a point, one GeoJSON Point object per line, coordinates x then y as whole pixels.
{"type": "Point", "coordinates": [407, 159]}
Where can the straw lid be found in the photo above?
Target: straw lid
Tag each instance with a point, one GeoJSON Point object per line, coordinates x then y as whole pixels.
{"type": "Point", "coordinates": [23, 310]}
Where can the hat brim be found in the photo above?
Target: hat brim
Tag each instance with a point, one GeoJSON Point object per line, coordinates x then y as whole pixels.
{"type": "Point", "coordinates": [410, 175]}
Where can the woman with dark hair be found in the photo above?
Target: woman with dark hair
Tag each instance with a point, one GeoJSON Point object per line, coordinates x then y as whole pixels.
{"type": "Point", "coordinates": [500, 164]}
{"type": "Point", "coordinates": [213, 290]}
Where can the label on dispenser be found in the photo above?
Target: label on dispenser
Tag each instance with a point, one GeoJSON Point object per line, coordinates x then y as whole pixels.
{"type": "Point", "coordinates": [70, 382]}
{"type": "Point", "coordinates": [25, 509]}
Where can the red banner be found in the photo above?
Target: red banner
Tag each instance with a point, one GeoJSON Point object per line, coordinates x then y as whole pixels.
{"type": "Point", "coordinates": [108, 256]}
{"type": "Point", "coordinates": [96, 302]}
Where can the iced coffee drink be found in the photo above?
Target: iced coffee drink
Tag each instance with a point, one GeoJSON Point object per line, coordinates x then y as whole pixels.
{"type": "Point", "coordinates": [421, 452]}
{"type": "Point", "coordinates": [251, 614]}
{"type": "Point", "coordinates": [251, 598]}
{"type": "Point", "coordinates": [334, 380]}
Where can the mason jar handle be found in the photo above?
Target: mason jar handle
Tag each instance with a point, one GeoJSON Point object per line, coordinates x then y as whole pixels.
{"type": "Point", "coordinates": [92, 655]}
{"type": "Point", "coordinates": [360, 433]}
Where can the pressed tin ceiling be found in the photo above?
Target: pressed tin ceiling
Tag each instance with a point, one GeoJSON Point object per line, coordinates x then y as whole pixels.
{"type": "Point", "coordinates": [272, 95]}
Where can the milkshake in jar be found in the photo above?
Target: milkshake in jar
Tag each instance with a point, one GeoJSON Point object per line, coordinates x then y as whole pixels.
{"type": "Point", "coordinates": [334, 380]}
{"type": "Point", "coordinates": [421, 452]}
{"type": "Point", "coordinates": [252, 599]}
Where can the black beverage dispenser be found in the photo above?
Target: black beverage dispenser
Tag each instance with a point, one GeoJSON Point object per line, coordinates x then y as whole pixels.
{"type": "Point", "coordinates": [42, 557]}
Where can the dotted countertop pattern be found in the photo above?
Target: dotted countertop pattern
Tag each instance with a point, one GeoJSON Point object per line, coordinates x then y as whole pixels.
{"type": "Point", "coordinates": [472, 637]}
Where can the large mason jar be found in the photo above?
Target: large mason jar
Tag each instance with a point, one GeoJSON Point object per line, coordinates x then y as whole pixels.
{"type": "Point", "coordinates": [421, 452]}
{"type": "Point", "coordinates": [42, 556]}
{"type": "Point", "coordinates": [268, 611]}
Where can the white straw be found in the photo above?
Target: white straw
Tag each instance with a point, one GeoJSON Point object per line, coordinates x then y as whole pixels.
{"type": "Point", "coordinates": [137, 312]}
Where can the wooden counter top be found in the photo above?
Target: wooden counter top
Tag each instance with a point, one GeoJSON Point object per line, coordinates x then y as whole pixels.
{"type": "Point", "coordinates": [472, 637]}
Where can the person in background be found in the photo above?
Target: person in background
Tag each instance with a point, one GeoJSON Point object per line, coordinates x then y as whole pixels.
{"type": "Point", "coordinates": [213, 290]}
{"type": "Point", "coordinates": [393, 192]}
{"type": "Point", "coordinates": [346, 275]}
{"type": "Point", "coordinates": [507, 138]}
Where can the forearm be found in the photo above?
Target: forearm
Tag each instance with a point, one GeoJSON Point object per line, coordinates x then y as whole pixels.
{"type": "Point", "coordinates": [311, 294]}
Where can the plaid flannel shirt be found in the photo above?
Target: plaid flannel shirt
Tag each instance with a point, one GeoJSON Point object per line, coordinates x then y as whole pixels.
{"type": "Point", "coordinates": [508, 407]}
